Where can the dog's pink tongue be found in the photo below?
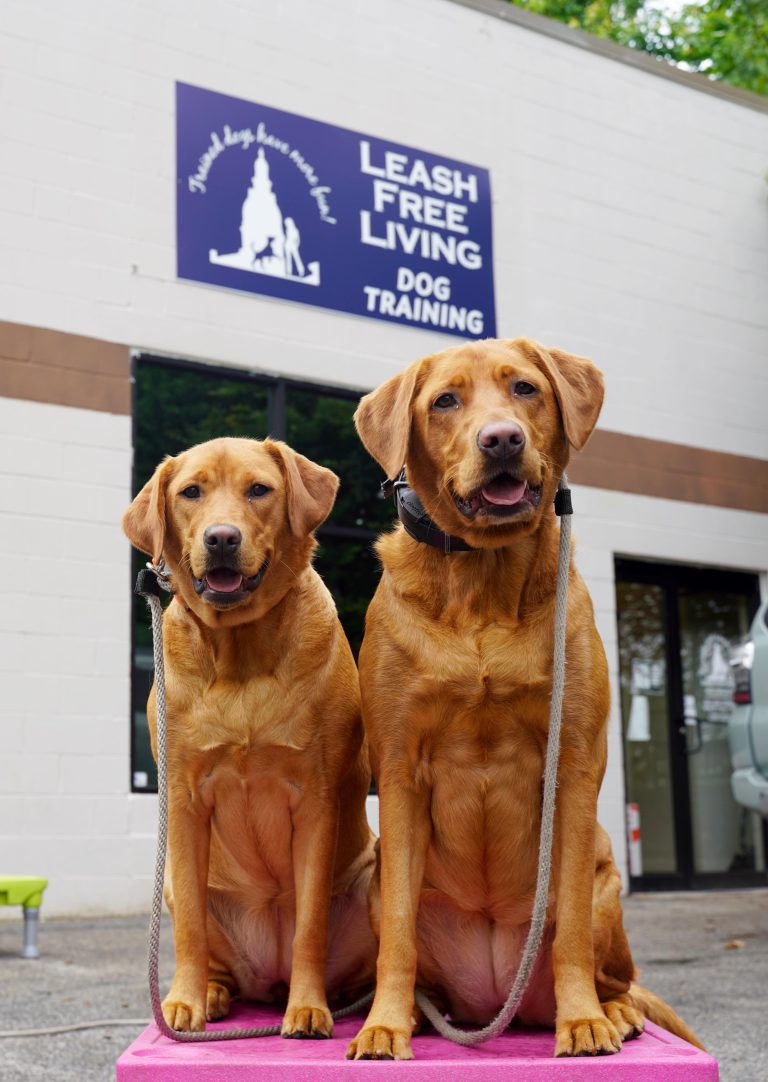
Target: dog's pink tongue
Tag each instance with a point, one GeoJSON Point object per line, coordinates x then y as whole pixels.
{"type": "Point", "coordinates": [504, 490]}
{"type": "Point", "coordinates": [223, 580]}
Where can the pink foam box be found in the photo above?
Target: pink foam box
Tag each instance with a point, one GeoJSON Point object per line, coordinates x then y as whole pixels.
{"type": "Point", "coordinates": [519, 1055]}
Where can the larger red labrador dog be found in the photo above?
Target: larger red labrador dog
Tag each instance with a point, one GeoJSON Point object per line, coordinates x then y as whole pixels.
{"type": "Point", "coordinates": [270, 850]}
{"type": "Point", "coordinates": [456, 672]}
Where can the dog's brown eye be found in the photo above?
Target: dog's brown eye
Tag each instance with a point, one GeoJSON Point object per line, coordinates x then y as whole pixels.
{"type": "Point", "coordinates": [446, 401]}
{"type": "Point", "coordinates": [191, 492]}
{"type": "Point", "coordinates": [257, 490]}
{"type": "Point", "coordinates": [524, 389]}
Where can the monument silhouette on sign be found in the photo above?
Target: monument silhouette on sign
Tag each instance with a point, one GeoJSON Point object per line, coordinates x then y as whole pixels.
{"type": "Point", "coordinates": [269, 243]}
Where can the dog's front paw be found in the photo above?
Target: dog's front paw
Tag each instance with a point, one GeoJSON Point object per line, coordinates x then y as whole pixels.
{"type": "Point", "coordinates": [218, 1000]}
{"type": "Point", "coordinates": [380, 1042]}
{"type": "Point", "coordinates": [308, 1023]}
{"type": "Point", "coordinates": [182, 1015]}
{"type": "Point", "coordinates": [587, 1037]}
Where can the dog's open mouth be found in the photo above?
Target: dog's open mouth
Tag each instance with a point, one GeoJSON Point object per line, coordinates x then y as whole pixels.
{"type": "Point", "coordinates": [502, 497]}
{"type": "Point", "coordinates": [226, 586]}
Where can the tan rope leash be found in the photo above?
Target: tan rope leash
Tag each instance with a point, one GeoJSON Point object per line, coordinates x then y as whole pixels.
{"type": "Point", "coordinates": [474, 1037]}
{"type": "Point", "coordinates": [146, 586]}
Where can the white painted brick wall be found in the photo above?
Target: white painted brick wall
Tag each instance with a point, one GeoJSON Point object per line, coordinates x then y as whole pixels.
{"type": "Point", "coordinates": [65, 653]}
{"type": "Point", "coordinates": [629, 225]}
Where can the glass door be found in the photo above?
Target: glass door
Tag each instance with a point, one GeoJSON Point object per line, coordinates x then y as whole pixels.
{"type": "Point", "coordinates": [677, 626]}
{"type": "Point", "coordinates": [647, 729]}
{"type": "Point", "coordinates": [726, 837]}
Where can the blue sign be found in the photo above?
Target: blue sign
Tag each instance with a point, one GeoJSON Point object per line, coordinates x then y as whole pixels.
{"type": "Point", "coordinates": [274, 203]}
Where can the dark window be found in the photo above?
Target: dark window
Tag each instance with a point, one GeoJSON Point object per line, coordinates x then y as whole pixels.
{"type": "Point", "coordinates": [320, 426]}
{"type": "Point", "coordinates": [178, 404]}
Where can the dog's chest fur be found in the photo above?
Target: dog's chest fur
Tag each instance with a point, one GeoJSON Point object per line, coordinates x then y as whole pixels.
{"type": "Point", "coordinates": [246, 745]}
{"type": "Point", "coordinates": [495, 665]}
{"type": "Point", "coordinates": [475, 707]}
{"type": "Point", "coordinates": [474, 693]}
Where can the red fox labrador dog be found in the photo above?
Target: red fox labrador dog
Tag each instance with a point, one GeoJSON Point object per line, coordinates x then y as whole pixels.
{"type": "Point", "coordinates": [455, 673]}
{"type": "Point", "coordinates": [270, 853]}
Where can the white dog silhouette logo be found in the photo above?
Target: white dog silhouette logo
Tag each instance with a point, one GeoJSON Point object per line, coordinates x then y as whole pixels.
{"type": "Point", "coordinates": [269, 243]}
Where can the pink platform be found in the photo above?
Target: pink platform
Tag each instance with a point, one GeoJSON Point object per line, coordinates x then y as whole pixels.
{"type": "Point", "coordinates": [521, 1055]}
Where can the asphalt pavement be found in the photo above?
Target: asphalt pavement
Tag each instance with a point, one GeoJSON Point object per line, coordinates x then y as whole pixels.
{"type": "Point", "coordinates": [707, 954]}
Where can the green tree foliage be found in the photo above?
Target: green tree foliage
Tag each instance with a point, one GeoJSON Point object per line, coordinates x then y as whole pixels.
{"type": "Point", "coordinates": [605, 18]}
{"type": "Point", "coordinates": [722, 39]}
{"type": "Point", "coordinates": [726, 40]}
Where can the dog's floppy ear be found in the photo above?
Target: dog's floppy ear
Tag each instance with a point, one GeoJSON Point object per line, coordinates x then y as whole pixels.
{"type": "Point", "coordinates": [579, 389]}
{"type": "Point", "coordinates": [144, 521]}
{"type": "Point", "coordinates": [310, 489]}
{"type": "Point", "coordinates": [383, 420]}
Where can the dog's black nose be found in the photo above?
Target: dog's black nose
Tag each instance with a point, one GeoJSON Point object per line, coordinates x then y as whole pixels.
{"type": "Point", "coordinates": [222, 540]}
{"type": "Point", "coordinates": [501, 439]}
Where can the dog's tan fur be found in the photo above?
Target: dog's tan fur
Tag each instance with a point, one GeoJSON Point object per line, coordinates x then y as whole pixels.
{"type": "Point", "coordinates": [267, 773]}
{"type": "Point", "coordinates": [456, 672]}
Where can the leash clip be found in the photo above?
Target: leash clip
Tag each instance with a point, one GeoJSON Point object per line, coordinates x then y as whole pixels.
{"type": "Point", "coordinates": [389, 486]}
{"type": "Point", "coordinates": [152, 579]}
{"type": "Point", "coordinates": [563, 504]}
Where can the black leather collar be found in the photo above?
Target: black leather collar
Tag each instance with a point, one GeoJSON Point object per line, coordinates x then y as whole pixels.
{"type": "Point", "coordinates": [417, 522]}
{"type": "Point", "coordinates": [420, 526]}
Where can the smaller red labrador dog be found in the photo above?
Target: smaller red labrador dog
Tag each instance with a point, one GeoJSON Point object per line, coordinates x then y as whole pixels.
{"type": "Point", "coordinates": [456, 676]}
{"type": "Point", "coordinates": [269, 846]}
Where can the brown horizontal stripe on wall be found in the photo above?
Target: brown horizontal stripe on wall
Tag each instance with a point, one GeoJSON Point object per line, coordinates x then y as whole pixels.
{"type": "Point", "coordinates": [672, 471]}
{"type": "Point", "coordinates": [64, 369]}
{"type": "Point", "coordinates": [71, 370]}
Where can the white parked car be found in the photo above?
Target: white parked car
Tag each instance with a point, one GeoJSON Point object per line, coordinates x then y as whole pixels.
{"type": "Point", "coordinates": [749, 722]}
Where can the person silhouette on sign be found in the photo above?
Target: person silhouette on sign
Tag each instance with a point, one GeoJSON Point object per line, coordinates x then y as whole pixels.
{"type": "Point", "coordinates": [291, 248]}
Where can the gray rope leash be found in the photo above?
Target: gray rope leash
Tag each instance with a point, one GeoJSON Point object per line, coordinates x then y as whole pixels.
{"type": "Point", "coordinates": [473, 1037]}
{"type": "Point", "coordinates": [147, 586]}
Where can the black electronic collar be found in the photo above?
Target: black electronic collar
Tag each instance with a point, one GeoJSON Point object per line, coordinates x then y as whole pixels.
{"type": "Point", "coordinates": [420, 526]}
{"type": "Point", "coordinates": [415, 519]}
